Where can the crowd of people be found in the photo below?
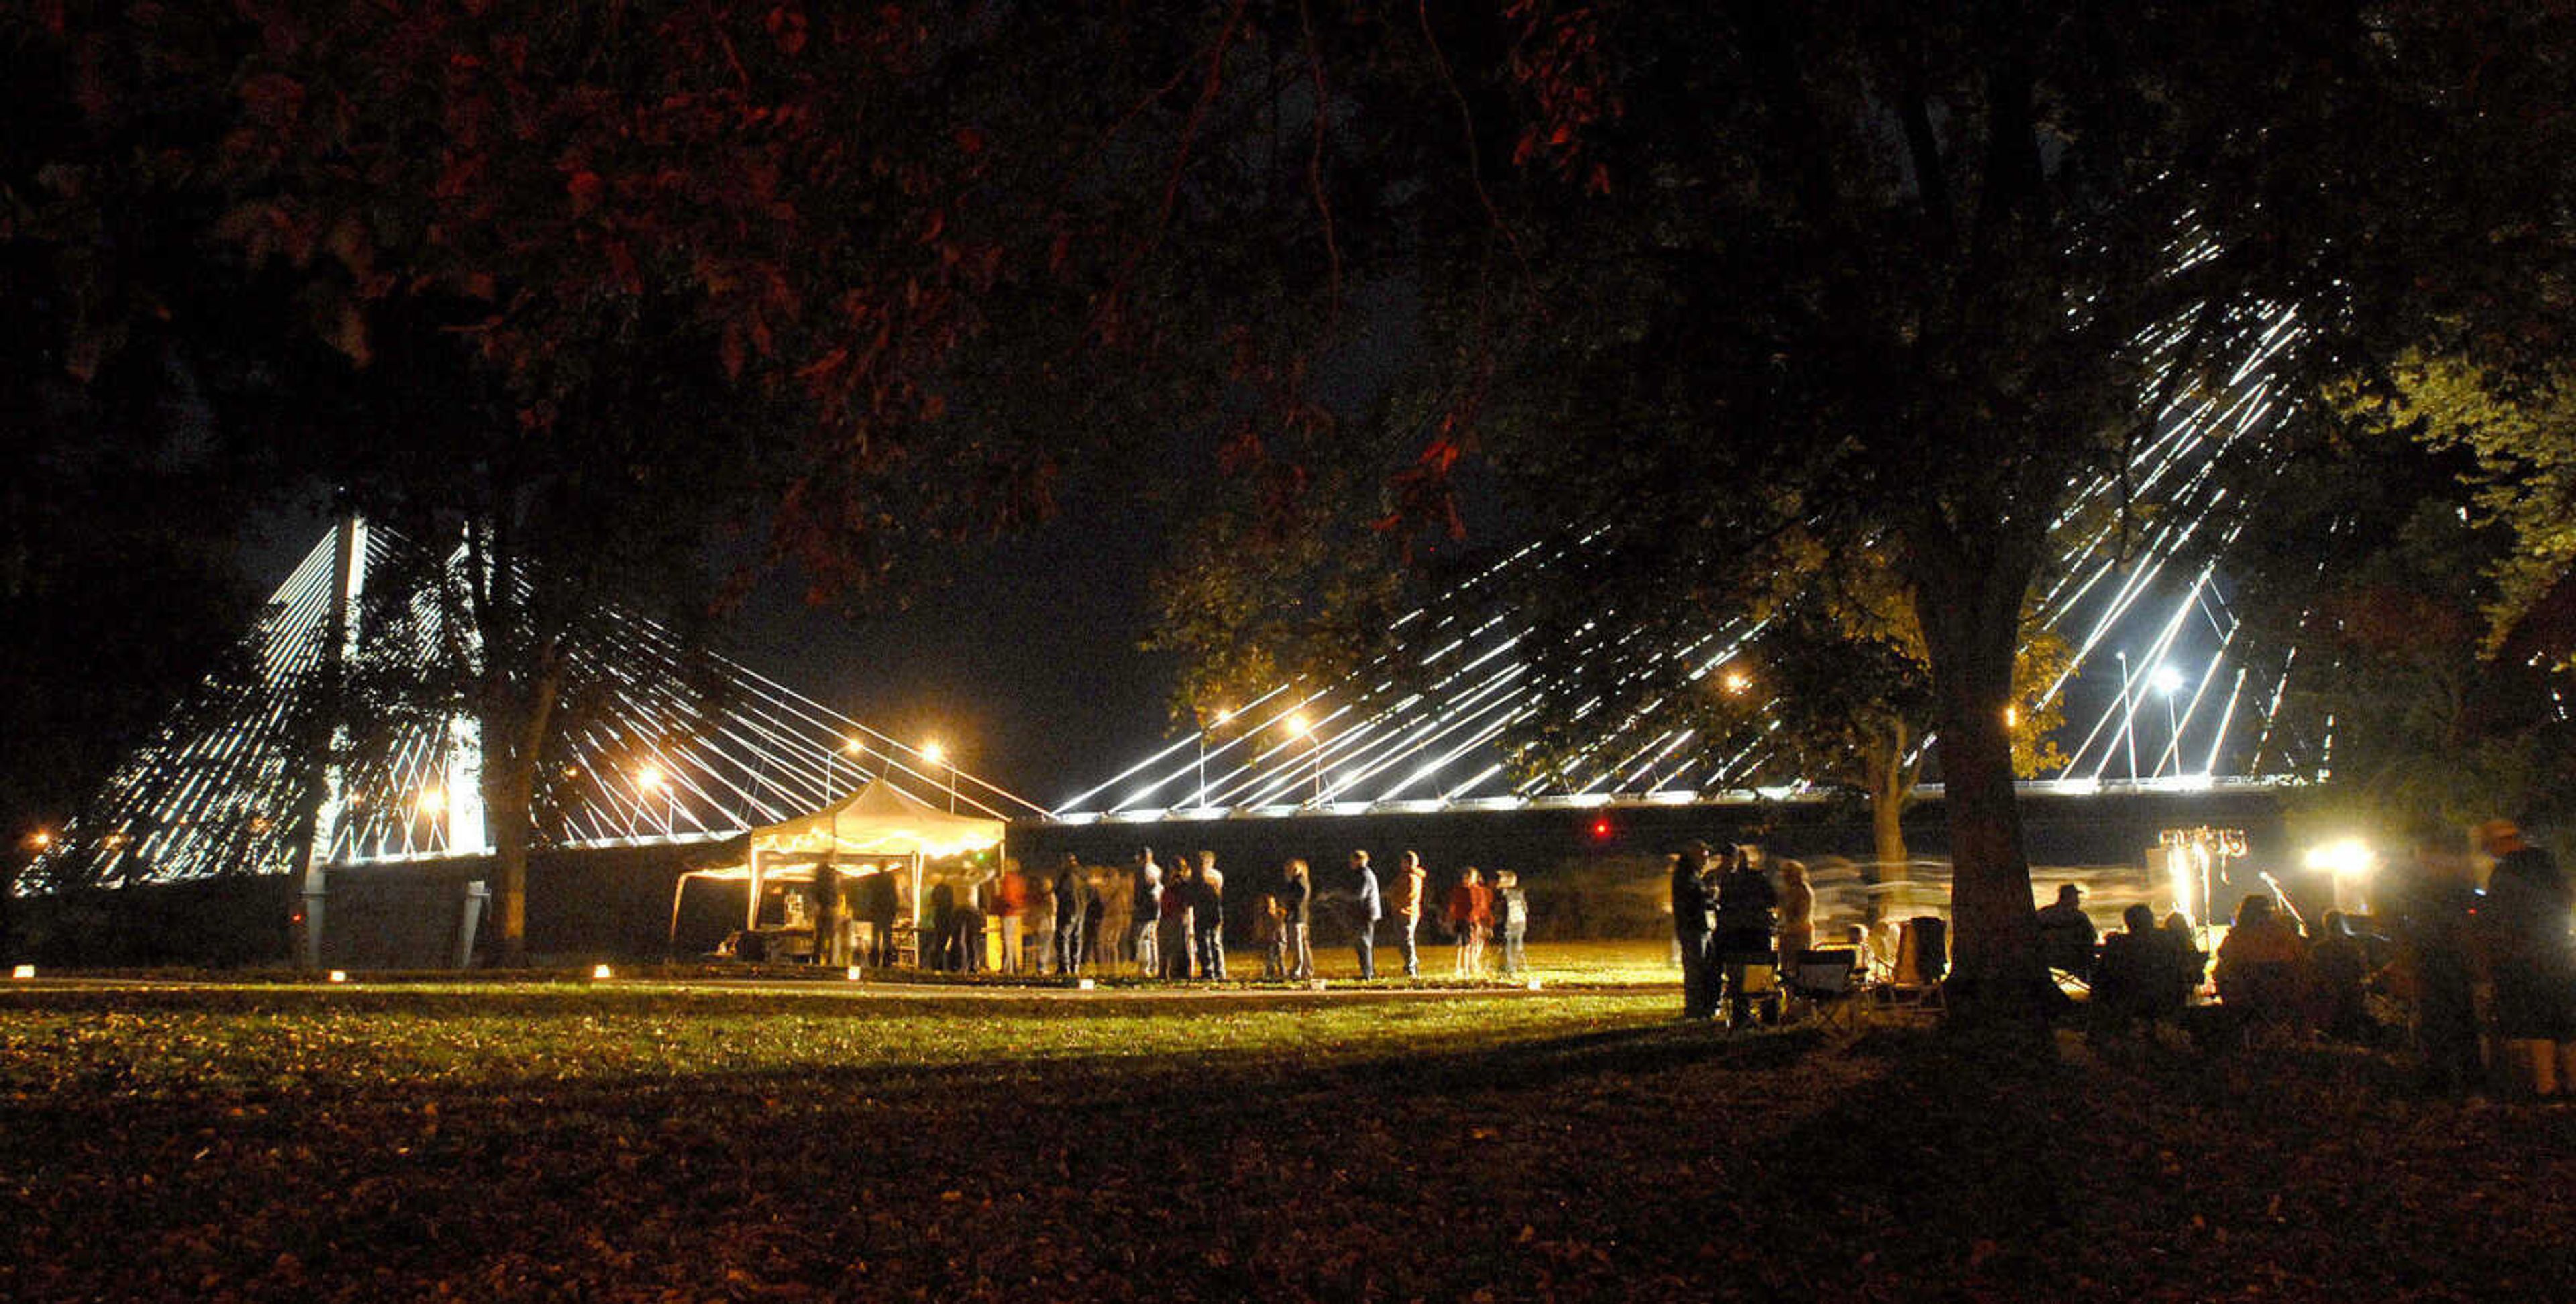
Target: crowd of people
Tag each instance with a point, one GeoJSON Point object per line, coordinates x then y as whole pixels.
{"type": "Point", "coordinates": [2481, 983]}
{"type": "Point", "coordinates": [1735, 928]}
{"type": "Point", "coordinates": [1167, 918]}
{"type": "Point", "coordinates": [2485, 977]}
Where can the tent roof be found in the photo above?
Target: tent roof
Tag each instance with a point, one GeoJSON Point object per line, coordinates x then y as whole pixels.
{"type": "Point", "coordinates": [879, 820]}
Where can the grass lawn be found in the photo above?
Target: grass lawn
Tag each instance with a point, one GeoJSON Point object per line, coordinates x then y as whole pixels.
{"type": "Point", "coordinates": [665, 1141]}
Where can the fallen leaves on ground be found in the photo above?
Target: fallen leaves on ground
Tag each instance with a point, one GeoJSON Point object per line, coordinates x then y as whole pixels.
{"type": "Point", "coordinates": [675, 1143]}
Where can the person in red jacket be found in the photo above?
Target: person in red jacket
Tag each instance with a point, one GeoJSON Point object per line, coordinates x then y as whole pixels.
{"type": "Point", "coordinates": [1011, 906]}
{"type": "Point", "coordinates": [1471, 913]}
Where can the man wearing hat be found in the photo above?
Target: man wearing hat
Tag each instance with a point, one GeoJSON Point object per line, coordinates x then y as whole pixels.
{"type": "Point", "coordinates": [2066, 934]}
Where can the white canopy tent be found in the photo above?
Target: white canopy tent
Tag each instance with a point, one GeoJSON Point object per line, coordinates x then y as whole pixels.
{"type": "Point", "coordinates": [878, 822]}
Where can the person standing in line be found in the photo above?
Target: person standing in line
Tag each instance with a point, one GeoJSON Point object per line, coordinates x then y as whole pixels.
{"type": "Point", "coordinates": [1512, 911]}
{"type": "Point", "coordinates": [1366, 910]}
{"type": "Point", "coordinates": [1797, 912]}
{"type": "Point", "coordinates": [940, 953]}
{"type": "Point", "coordinates": [1038, 926]}
{"type": "Point", "coordinates": [1270, 934]}
{"type": "Point", "coordinates": [1692, 906]}
{"type": "Point", "coordinates": [1010, 910]}
{"type": "Point", "coordinates": [1144, 908]}
{"type": "Point", "coordinates": [1471, 912]}
{"type": "Point", "coordinates": [1097, 922]}
{"type": "Point", "coordinates": [1211, 918]}
{"type": "Point", "coordinates": [1299, 901]}
{"type": "Point", "coordinates": [1409, 876]}
{"type": "Point", "coordinates": [877, 905]}
{"type": "Point", "coordinates": [1180, 895]}
{"type": "Point", "coordinates": [1069, 912]}
{"type": "Point", "coordinates": [970, 926]}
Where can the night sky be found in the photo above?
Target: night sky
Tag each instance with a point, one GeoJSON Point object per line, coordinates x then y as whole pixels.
{"type": "Point", "coordinates": [1024, 664]}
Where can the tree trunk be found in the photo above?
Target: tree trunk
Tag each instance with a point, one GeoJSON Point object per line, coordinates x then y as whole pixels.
{"type": "Point", "coordinates": [512, 833]}
{"type": "Point", "coordinates": [1887, 839]}
{"type": "Point", "coordinates": [510, 790]}
{"type": "Point", "coordinates": [1970, 613]}
{"type": "Point", "coordinates": [1890, 782]}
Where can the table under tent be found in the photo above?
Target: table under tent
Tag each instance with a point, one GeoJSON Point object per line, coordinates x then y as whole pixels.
{"type": "Point", "coordinates": [878, 829]}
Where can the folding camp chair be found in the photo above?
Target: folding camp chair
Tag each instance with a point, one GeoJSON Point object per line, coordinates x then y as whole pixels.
{"type": "Point", "coordinates": [1753, 982]}
{"type": "Point", "coordinates": [1922, 961]}
{"type": "Point", "coordinates": [1827, 982]}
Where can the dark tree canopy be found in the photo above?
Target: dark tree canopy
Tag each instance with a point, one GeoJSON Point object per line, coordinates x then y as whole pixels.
{"type": "Point", "coordinates": [1901, 278]}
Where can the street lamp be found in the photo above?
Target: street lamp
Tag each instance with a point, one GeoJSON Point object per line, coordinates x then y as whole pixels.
{"type": "Point", "coordinates": [937, 755]}
{"type": "Point", "coordinates": [2128, 714]}
{"type": "Point", "coordinates": [2350, 862]}
{"type": "Point", "coordinates": [1304, 728]}
{"type": "Point", "coordinates": [2168, 681]}
{"type": "Point", "coordinates": [1736, 682]}
{"type": "Point", "coordinates": [652, 779]}
{"type": "Point", "coordinates": [855, 748]}
{"type": "Point", "coordinates": [428, 805]}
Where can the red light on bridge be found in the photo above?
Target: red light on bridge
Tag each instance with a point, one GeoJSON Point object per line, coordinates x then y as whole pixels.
{"type": "Point", "coordinates": [1601, 829]}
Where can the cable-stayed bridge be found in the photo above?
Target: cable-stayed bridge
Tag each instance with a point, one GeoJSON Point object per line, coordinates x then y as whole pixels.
{"type": "Point", "coordinates": [257, 773]}
{"type": "Point", "coordinates": [2154, 692]}
{"type": "Point", "coordinates": [253, 775]}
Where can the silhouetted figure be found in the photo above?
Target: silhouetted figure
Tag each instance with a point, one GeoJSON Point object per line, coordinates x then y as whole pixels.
{"type": "Point", "coordinates": [941, 953]}
{"type": "Point", "coordinates": [2191, 962]}
{"type": "Point", "coordinates": [1071, 898]}
{"type": "Point", "coordinates": [1208, 917]}
{"type": "Point", "coordinates": [1297, 897]}
{"type": "Point", "coordinates": [2066, 933]}
{"type": "Point", "coordinates": [1693, 911]}
{"type": "Point", "coordinates": [2337, 970]}
{"type": "Point", "coordinates": [1366, 910]}
{"type": "Point", "coordinates": [1095, 920]}
{"type": "Point", "coordinates": [2259, 964]}
{"type": "Point", "coordinates": [2139, 977]}
{"type": "Point", "coordinates": [1270, 935]}
{"type": "Point", "coordinates": [2529, 960]}
{"type": "Point", "coordinates": [878, 905]}
{"type": "Point", "coordinates": [2435, 911]}
{"type": "Point", "coordinates": [1180, 910]}
{"type": "Point", "coordinates": [1742, 941]}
